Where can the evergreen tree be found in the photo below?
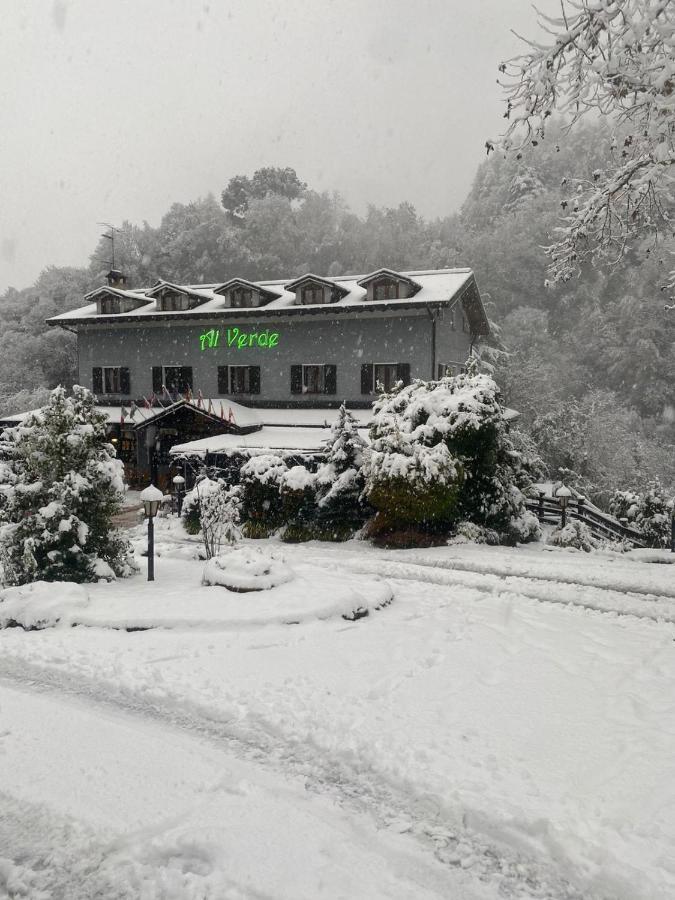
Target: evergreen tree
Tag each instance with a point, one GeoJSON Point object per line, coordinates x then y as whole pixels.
{"type": "Point", "coordinates": [61, 485]}
{"type": "Point", "coordinates": [341, 481]}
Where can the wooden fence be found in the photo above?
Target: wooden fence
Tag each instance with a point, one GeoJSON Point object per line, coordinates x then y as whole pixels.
{"type": "Point", "coordinates": [601, 525]}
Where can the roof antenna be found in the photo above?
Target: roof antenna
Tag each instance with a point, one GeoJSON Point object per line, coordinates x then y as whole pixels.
{"type": "Point", "coordinates": [111, 237]}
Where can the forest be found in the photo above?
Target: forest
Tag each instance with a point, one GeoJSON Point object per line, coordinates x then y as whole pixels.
{"type": "Point", "coordinates": [589, 363]}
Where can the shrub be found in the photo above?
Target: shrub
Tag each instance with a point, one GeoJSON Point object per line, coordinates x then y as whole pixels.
{"type": "Point", "coordinates": [575, 534]}
{"type": "Point", "coordinates": [653, 516]}
{"type": "Point", "coordinates": [297, 488]}
{"type": "Point", "coordinates": [261, 506]}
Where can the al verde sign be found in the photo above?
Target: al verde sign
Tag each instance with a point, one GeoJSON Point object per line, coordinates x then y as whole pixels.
{"type": "Point", "coordinates": [235, 337]}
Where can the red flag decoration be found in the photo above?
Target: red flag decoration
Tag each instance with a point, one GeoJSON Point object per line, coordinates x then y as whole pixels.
{"type": "Point", "coordinates": [230, 416]}
{"type": "Point", "coordinates": [200, 400]}
{"type": "Point", "coordinates": [147, 403]}
{"type": "Point", "coordinates": [123, 414]}
{"type": "Point", "coordinates": [222, 411]}
{"type": "Point", "coordinates": [210, 409]}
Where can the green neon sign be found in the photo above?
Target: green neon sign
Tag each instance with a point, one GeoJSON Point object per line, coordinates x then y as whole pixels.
{"type": "Point", "coordinates": [235, 337]}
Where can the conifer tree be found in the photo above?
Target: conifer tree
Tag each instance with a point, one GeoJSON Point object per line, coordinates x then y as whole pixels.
{"type": "Point", "coordinates": [61, 484]}
{"type": "Point", "coordinates": [341, 481]}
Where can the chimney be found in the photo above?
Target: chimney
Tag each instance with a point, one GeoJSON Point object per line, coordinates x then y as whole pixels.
{"type": "Point", "coordinates": [116, 279]}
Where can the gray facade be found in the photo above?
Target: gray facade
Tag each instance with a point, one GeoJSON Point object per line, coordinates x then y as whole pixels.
{"type": "Point", "coordinates": [419, 337]}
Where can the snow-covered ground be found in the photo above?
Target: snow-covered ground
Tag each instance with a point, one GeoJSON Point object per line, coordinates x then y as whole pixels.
{"type": "Point", "coordinates": [505, 727]}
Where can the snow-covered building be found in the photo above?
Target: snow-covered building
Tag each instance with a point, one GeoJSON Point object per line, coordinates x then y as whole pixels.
{"type": "Point", "coordinates": [183, 362]}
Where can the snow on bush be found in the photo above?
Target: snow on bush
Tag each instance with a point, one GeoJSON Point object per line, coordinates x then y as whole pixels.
{"type": "Point", "coordinates": [38, 605]}
{"type": "Point", "coordinates": [219, 515]}
{"type": "Point", "coordinates": [191, 509]}
{"type": "Point", "coordinates": [297, 487]}
{"type": "Point", "coordinates": [575, 534]}
{"type": "Point", "coordinates": [244, 569]}
{"type": "Point", "coordinates": [260, 495]}
{"type": "Point", "coordinates": [624, 505]}
{"type": "Point", "coordinates": [60, 485]}
{"type": "Point", "coordinates": [654, 515]}
{"type": "Point", "coordinates": [650, 513]}
{"type": "Point", "coordinates": [470, 533]}
{"type": "Point", "coordinates": [440, 453]}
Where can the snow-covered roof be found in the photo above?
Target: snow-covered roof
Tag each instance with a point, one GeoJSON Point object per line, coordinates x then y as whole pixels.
{"type": "Point", "coordinates": [437, 286]}
{"type": "Point", "coordinates": [270, 437]}
{"type": "Point", "coordinates": [244, 416]}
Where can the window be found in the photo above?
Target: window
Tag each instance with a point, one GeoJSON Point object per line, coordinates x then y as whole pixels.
{"type": "Point", "coordinates": [110, 306]}
{"type": "Point", "coordinates": [111, 380]}
{"type": "Point", "coordinates": [383, 376]}
{"type": "Point", "coordinates": [465, 322]}
{"type": "Point", "coordinates": [314, 378]}
{"type": "Point", "coordinates": [447, 370]}
{"type": "Point", "coordinates": [312, 293]}
{"type": "Point", "coordinates": [172, 301]}
{"type": "Point", "coordinates": [242, 297]}
{"type": "Point", "coordinates": [238, 379]}
{"type": "Point", "coordinates": [386, 376]}
{"type": "Point", "coordinates": [385, 290]}
{"type": "Point", "coordinates": [176, 379]}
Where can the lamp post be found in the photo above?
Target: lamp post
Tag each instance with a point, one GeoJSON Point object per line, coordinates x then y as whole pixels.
{"type": "Point", "coordinates": [151, 497]}
{"type": "Point", "coordinates": [178, 484]}
{"type": "Point", "coordinates": [563, 494]}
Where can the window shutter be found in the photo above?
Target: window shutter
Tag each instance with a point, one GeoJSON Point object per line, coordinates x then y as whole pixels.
{"type": "Point", "coordinates": [157, 379]}
{"type": "Point", "coordinates": [330, 379]}
{"type": "Point", "coordinates": [97, 379]}
{"type": "Point", "coordinates": [223, 383]}
{"type": "Point", "coordinates": [367, 378]}
{"type": "Point", "coordinates": [296, 379]}
{"type": "Point", "coordinates": [254, 379]}
{"type": "Point", "coordinates": [186, 378]}
{"type": "Point", "coordinates": [125, 381]}
{"type": "Point", "coordinates": [403, 372]}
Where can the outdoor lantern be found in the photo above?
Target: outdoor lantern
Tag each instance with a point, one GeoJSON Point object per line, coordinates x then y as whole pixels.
{"type": "Point", "coordinates": [563, 494]}
{"type": "Point", "coordinates": [151, 497]}
{"type": "Point", "coordinates": [178, 484]}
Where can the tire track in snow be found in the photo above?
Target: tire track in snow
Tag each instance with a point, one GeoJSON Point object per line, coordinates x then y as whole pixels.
{"type": "Point", "coordinates": [658, 607]}
{"type": "Point", "coordinates": [456, 841]}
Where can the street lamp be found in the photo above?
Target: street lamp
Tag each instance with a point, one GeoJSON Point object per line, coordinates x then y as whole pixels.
{"type": "Point", "coordinates": [563, 494]}
{"type": "Point", "coordinates": [178, 483]}
{"type": "Point", "coordinates": [151, 498]}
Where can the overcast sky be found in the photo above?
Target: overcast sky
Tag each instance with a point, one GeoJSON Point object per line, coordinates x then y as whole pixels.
{"type": "Point", "coordinates": [116, 109]}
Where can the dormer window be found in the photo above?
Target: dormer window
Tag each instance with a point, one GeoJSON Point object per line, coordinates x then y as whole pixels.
{"type": "Point", "coordinates": [313, 293]}
{"type": "Point", "coordinates": [386, 289]}
{"type": "Point", "coordinates": [242, 297]}
{"type": "Point", "coordinates": [175, 298]}
{"type": "Point", "coordinates": [311, 289]}
{"type": "Point", "coordinates": [173, 301]}
{"type": "Point", "coordinates": [112, 302]}
{"type": "Point", "coordinates": [241, 294]}
{"type": "Point", "coordinates": [109, 306]}
{"type": "Point", "coordinates": [386, 284]}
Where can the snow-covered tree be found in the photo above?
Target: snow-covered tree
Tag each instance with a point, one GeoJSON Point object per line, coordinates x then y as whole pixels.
{"type": "Point", "coordinates": [220, 517]}
{"type": "Point", "coordinates": [262, 509]}
{"type": "Point", "coordinates": [60, 486]}
{"type": "Point", "coordinates": [441, 453]}
{"type": "Point", "coordinates": [615, 58]}
{"type": "Point", "coordinates": [340, 480]}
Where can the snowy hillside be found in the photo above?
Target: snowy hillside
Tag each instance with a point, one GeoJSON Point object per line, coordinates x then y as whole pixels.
{"type": "Point", "coordinates": [504, 727]}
